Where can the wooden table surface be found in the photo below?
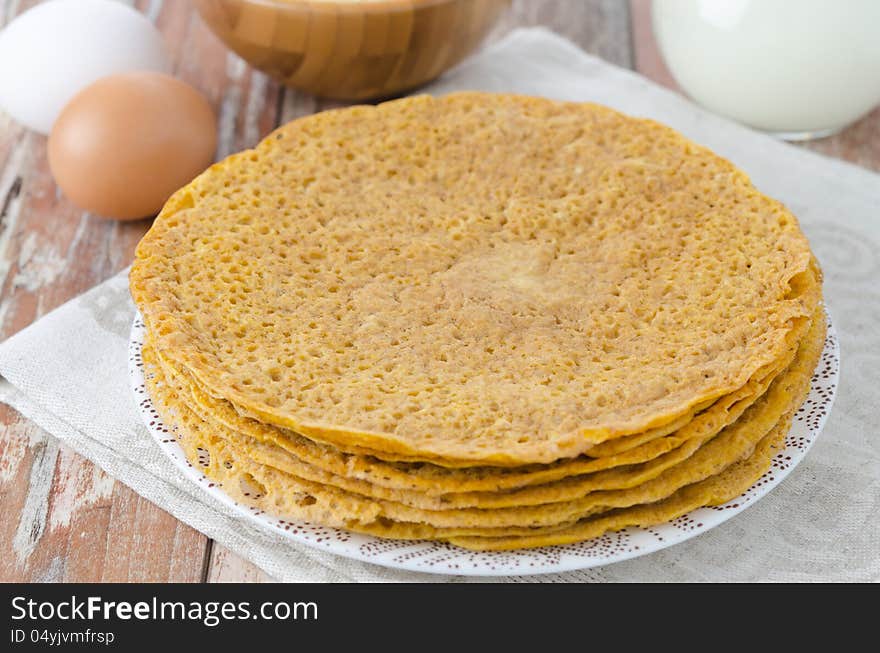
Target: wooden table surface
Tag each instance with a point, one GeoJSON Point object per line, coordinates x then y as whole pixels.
{"type": "Point", "coordinates": [63, 518]}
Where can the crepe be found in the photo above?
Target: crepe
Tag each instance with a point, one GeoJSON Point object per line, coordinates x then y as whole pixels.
{"type": "Point", "coordinates": [294, 497]}
{"type": "Point", "coordinates": [713, 491]}
{"type": "Point", "coordinates": [476, 279]}
{"type": "Point", "coordinates": [437, 479]}
{"type": "Point", "coordinates": [451, 490]}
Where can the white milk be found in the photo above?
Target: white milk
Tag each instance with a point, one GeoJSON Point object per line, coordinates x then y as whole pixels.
{"type": "Point", "coordinates": [799, 68]}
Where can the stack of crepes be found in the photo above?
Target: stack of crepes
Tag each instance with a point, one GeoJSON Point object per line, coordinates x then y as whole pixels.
{"type": "Point", "coordinates": [494, 320]}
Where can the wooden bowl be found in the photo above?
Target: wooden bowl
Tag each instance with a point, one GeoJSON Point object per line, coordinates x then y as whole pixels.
{"type": "Point", "coordinates": [351, 50]}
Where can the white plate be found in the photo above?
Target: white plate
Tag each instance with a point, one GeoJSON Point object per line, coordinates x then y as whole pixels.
{"type": "Point", "coordinates": [441, 558]}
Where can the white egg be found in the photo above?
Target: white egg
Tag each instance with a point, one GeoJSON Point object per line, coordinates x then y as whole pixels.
{"type": "Point", "coordinates": [50, 52]}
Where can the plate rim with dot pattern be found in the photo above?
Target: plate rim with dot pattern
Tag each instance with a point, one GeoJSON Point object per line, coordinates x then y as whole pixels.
{"type": "Point", "coordinates": [444, 558]}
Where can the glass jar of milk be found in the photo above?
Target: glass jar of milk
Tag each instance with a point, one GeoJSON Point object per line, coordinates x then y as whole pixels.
{"type": "Point", "coordinates": [797, 68]}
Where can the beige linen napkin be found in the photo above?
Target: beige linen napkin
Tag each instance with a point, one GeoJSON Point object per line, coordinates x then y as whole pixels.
{"type": "Point", "coordinates": [68, 371]}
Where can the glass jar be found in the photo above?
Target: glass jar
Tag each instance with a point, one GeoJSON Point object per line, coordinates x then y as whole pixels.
{"type": "Point", "coordinates": [799, 69]}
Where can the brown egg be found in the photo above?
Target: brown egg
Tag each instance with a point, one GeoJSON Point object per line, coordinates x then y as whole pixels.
{"type": "Point", "coordinates": [125, 143]}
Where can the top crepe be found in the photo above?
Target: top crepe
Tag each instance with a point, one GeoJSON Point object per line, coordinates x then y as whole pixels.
{"type": "Point", "coordinates": [479, 277]}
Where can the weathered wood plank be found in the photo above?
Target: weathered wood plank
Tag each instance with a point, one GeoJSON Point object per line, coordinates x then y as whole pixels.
{"type": "Point", "coordinates": [646, 55]}
{"type": "Point", "coordinates": [600, 27]}
{"type": "Point", "coordinates": [227, 567]}
{"type": "Point", "coordinates": [74, 523]}
{"type": "Point", "coordinates": [859, 143]}
{"type": "Point", "coordinates": [138, 556]}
